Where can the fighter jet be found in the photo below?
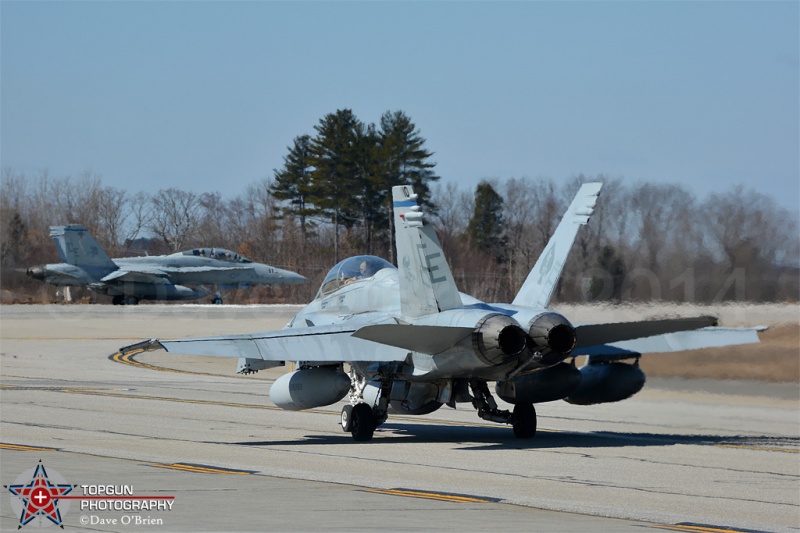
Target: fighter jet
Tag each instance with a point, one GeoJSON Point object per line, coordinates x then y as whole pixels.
{"type": "Point", "coordinates": [405, 340]}
{"type": "Point", "coordinates": [162, 277]}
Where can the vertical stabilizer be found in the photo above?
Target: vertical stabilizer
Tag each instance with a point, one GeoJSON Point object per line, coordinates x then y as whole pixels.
{"type": "Point", "coordinates": [76, 246]}
{"type": "Point", "coordinates": [541, 282]}
{"type": "Point", "coordinates": [426, 282]}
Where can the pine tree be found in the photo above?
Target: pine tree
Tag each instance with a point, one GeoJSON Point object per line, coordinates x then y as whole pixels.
{"type": "Point", "coordinates": [404, 161]}
{"type": "Point", "coordinates": [345, 173]}
{"type": "Point", "coordinates": [293, 184]}
{"type": "Point", "coordinates": [404, 156]}
{"type": "Point", "coordinates": [370, 193]}
{"type": "Point", "coordinates": [333, 154]}
{"type": "Point", "coordinates": [486, 227]}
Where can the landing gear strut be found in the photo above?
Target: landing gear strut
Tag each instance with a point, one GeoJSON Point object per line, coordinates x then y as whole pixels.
{"type": "Point", "coordinates": [365, 411]}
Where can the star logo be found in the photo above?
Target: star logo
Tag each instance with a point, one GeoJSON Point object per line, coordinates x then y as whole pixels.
{"type": "Point", "coordinates": [547, 265]}
{"type": "Point", "coordinates": [38, 496]}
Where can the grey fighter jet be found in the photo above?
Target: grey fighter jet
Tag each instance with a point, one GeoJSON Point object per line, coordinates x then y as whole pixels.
{"type": "Point", "coordinates": [412, 342]}
{"type": "Point", "coordinates": [161, 277]}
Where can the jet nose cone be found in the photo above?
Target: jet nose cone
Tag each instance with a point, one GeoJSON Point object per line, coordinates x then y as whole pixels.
{"type": "Point", "coordinates": [36, 272]}
{"type": "Point", "coordinates": [296, 279]}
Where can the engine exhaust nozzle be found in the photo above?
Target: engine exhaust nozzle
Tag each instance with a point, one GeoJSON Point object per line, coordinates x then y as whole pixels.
{"type": "Point", "coordinates": [36, 272]}
{"type": "Point", "coordinates": [552, 337]}
{"type": "Point", "coordinates": [498, 338]}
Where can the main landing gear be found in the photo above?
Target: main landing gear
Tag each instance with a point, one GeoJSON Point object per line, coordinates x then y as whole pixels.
{"type": "Point", "coordinates": [124, 300]}
{"type": "Point", "coordinates": [360, 418]}
{"type": "Point", "coordinates": [360, 421]}
{"type": "Point", "coordinates": [522, 420]}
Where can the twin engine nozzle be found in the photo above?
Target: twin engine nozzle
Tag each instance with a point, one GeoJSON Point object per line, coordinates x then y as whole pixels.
{"type": "Point", "coordinates": [36, 272]}
{"type": "Point", "coordinates": [551, 337]}
{"type": "Point", "coordinates": [499, 337]}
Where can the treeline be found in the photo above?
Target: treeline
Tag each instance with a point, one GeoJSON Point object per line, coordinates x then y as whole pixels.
{"type": "Point", "coordinates": [644, 242]}
{"type": "Point", "coordinates": [331, 200]}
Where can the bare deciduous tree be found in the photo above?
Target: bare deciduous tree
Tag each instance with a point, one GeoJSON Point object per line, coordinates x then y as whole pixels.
{"type": "Point", "coordinates": [175, 216]}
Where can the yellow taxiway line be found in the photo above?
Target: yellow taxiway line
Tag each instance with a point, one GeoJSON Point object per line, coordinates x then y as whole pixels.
{"type": "Point", "coordinates": [200, 469]}
{"type": "Point", "coordinates": [429, 495]}
{"type": "Point", "coordinates": [698, 528]}
{"type": "Point", "coordinates": [24, 448]}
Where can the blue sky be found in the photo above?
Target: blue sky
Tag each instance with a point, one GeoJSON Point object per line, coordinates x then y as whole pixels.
{"type": "Point", "coordinates": [207, 96]}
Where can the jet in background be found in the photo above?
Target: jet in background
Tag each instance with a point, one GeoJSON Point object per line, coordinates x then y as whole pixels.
{"type": "Point", "coordinates": [412, 342]}
{"type": "Point", "coordinates": [162, 277]}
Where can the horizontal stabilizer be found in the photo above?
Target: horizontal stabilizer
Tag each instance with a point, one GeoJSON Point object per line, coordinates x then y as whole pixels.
{"type": "Point", "coordinates": [423, 339]}
{"type": "Point", "coordinates": [593, 334]}
{"type": "Point", "coordinates": [671, 342]}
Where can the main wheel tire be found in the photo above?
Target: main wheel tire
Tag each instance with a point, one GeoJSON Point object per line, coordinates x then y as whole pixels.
{"type": "Point", "coordinates": [216, 301]}
{"type": "Point", "coordinates": [117, 300]}
{"type": "Point", "coordinates": [362, 422]}
{"type": "Point", "coordinates": [347, 418]}
{"type": "Point", "coordinates": [131, 300]}
{"type": "Point", "coordinates": [524, 421]}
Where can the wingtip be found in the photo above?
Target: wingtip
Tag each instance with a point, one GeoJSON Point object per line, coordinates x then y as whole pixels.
{"type": "Point", "coordinates": [148, 345]}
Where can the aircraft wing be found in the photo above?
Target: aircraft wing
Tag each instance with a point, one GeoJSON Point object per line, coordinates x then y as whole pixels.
{"type": "Point", "coordinates": [334, 343]}
{"type": "Point", "coordinates": [709, 337]}
{"type": "Point", "coordinates": [143, 275]}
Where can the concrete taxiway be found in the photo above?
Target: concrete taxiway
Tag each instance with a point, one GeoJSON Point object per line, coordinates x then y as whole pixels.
{"type": "Point", "coordinates": [674, 457]}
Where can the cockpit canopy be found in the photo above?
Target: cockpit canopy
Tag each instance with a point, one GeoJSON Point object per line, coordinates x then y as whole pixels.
{"type": "Point", "coordinates": [218, 253]}
{"type": "Point", "coordinates": [350, 270]}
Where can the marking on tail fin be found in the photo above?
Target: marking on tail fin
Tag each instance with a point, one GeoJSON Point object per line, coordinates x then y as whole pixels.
{"type": "Point", "coordinates": [543, 278]}
{"type": "Point", "coordinates": [428, 264]}
{"type": "Point", "coordinates": [426, 282]}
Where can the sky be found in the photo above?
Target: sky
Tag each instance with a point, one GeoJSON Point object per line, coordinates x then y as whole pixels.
{"type": "Point", "coordinates": [208, 96]}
